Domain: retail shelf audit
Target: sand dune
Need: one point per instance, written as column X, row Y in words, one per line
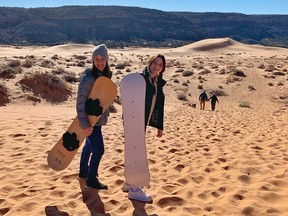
column 232, row 161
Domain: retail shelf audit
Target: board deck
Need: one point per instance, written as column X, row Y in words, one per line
column 133, row 90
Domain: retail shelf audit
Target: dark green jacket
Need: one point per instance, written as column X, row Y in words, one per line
column 157, row 117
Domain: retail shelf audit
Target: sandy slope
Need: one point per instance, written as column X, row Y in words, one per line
column 229, row 162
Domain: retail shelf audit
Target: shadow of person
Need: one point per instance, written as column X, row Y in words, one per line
column 92, row 200
column 139, row 208
column 54, row 211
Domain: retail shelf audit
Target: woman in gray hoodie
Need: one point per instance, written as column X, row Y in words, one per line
column 94, row 145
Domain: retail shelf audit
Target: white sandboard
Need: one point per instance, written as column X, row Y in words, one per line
column 133, row 90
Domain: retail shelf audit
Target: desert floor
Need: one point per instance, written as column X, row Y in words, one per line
column 231, row 161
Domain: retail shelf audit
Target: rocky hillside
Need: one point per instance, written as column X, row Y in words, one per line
column 129, row 26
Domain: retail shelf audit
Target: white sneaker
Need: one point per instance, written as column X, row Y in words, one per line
column 126, row 187
column 137, row 193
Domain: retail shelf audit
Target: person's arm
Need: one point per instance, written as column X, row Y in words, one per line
column 84, row 89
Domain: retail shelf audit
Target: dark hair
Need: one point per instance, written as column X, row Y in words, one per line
column 106, row 72
column 153, row 58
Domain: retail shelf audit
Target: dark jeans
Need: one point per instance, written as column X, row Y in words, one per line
column 213, row 104
column 94, row 147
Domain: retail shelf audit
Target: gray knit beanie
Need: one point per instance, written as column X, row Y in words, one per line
column 100, row 50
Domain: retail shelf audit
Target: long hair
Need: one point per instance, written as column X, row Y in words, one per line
column 163, row 59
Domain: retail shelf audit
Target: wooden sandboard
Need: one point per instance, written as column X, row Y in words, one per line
column 60, row 156
column 133, row 90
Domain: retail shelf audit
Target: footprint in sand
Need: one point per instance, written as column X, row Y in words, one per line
column 171, row 201
column 244, row 178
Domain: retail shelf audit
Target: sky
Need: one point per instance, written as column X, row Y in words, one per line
column 238, row 6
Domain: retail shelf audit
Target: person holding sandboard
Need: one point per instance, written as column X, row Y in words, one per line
column 93, row 148
column 96, row 92
column 143, row 105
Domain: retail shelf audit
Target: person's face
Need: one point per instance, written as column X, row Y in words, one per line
column 100, row 62
column 156, row 66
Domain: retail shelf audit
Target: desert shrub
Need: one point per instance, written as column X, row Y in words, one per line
column 270, row 68
column 55, row 57
column 205, row 71
column 46, row 64
column 8, row 72
column 68, row 76
column 214, row 66
column 181, row 96
column 245, row 104
column 112, row 109
column 185, row 84
column 14, row 63
column 34, row 99
column 251, row 88
column 58, row 71
column 218, row 92
column 4, row 99
column 187, row 73
column 27, row 63
column 240, row 73
column 179, row 70
column 80, row 57
column 280, row 84
column 279, row 73
column 198, row 66
column 80, row 64
column 71, row 77
column 261, row 66
column 176, row 81
column 200, row 87
column 232, row 79
column 120, row 66
column 222, row 71
column 46, row 86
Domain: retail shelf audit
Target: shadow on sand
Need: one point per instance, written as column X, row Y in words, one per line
column 92, row 200
column 54, row 211
column 139, row 208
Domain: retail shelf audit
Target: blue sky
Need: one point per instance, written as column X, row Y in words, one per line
column 239, row 6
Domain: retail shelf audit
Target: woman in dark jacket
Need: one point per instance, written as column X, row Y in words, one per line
column 154, row 112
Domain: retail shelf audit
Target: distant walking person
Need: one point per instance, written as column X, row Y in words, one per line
column 202, row 99
column 213, row 99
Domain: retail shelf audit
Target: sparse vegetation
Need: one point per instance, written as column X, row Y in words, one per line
column 3, row 95
column 187, row 73
column 245, row 104
column 238, row 72
column 182, row 96
column 14, row 63
column 120, row 66
column 46, row 86
column 8, row 72
column 27, row 63
column 251, row 88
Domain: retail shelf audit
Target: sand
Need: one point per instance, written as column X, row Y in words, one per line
column 233, row 161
